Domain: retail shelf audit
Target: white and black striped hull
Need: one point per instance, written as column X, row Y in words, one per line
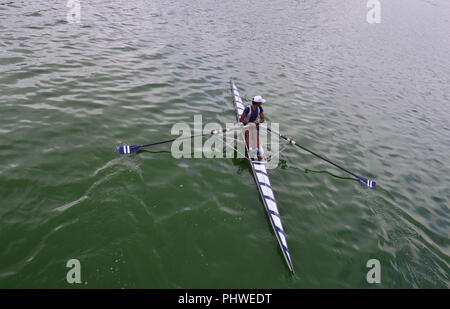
column 265, row 189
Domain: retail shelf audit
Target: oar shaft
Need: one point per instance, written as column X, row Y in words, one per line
column 125, row 149
column 173, row 139
column 312, row 152
column 369, row 183
column 193, row 136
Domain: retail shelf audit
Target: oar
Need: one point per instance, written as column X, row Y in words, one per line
column 126, row 149
column 367, row 182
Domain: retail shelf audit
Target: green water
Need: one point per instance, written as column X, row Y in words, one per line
column 371, row 97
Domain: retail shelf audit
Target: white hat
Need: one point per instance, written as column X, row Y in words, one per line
column 258, row 99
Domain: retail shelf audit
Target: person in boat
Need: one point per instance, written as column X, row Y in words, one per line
column 254, row 114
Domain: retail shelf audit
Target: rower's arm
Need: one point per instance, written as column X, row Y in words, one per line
column 244, row 114
column 262, row 117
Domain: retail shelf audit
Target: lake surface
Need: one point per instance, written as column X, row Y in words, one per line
column 374, row 98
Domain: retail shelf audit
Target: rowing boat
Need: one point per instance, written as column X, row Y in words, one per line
column 263, row 183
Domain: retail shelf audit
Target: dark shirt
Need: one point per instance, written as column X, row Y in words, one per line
column 254, row 114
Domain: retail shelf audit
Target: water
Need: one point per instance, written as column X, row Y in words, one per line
column 371, row 97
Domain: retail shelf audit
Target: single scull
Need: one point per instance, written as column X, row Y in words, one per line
column 265, row 189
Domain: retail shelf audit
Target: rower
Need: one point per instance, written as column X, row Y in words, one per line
column 250, row 115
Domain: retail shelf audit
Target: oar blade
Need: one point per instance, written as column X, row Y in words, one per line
column 125, row 149
column 370, row 183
